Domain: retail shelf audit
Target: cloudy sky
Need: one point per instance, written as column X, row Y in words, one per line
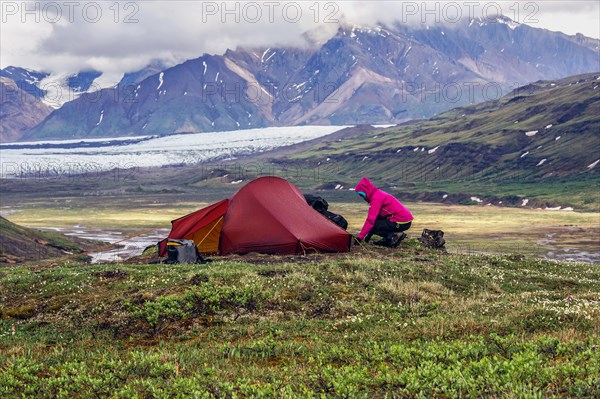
column 117, row 37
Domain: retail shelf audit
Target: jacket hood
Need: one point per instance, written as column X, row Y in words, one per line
column 366, row 187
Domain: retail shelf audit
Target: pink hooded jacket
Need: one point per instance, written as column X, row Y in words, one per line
column 381, row 204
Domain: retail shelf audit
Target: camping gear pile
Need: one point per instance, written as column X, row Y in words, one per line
column 269, row 215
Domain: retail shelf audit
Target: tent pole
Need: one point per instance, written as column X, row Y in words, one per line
column 210, row 231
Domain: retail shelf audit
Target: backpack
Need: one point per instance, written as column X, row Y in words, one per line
column 320, row 205
column 433, row 239
column 183, row 251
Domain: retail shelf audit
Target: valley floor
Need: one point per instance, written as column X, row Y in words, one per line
column 404, row 323
column 561, row 235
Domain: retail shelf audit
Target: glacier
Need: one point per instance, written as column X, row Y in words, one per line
column 52, row 158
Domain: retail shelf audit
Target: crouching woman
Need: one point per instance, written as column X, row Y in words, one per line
column 387, row 217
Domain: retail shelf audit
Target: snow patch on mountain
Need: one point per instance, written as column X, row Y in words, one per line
column 101, row 118
column 508, row 22
column 58, row 91
column 104, row 81
column 271, row 56
column 160, row 80
column 262, row 59
column 31, row 79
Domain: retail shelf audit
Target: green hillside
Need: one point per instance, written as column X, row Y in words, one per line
column 539, row 141
column 20, row 244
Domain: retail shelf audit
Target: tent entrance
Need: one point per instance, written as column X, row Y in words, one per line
column 207, row 237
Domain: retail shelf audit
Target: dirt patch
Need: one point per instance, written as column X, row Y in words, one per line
column 198, row 279
column 322, row 310
column 418, row 259
column 22, row 312
column 111, row 274
column 273, row 273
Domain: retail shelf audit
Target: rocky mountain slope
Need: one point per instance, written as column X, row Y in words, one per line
column 51, row 91
column 361, row 75
column 19, row 110
column 26, row 79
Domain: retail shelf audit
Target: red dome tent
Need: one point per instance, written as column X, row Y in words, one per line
column 268, row 215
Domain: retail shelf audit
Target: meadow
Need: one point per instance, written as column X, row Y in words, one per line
column 409, row 323
column 488, row 318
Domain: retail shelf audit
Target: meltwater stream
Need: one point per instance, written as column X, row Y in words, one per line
column 126, row 248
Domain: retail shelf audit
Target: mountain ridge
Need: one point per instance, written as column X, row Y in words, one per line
column 382, row 74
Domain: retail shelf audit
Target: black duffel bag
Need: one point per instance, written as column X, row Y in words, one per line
column 320, row 205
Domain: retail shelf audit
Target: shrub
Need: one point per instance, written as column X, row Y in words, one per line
column 202, row 300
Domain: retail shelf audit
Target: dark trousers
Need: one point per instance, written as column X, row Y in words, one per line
column 386, row 229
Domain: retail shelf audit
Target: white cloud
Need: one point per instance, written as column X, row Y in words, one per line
column 96, row 35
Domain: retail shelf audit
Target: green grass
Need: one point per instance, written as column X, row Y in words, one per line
column 406, row 323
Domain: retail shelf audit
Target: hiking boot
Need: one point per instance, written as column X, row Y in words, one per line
column 397, row 240
column 383, row 243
